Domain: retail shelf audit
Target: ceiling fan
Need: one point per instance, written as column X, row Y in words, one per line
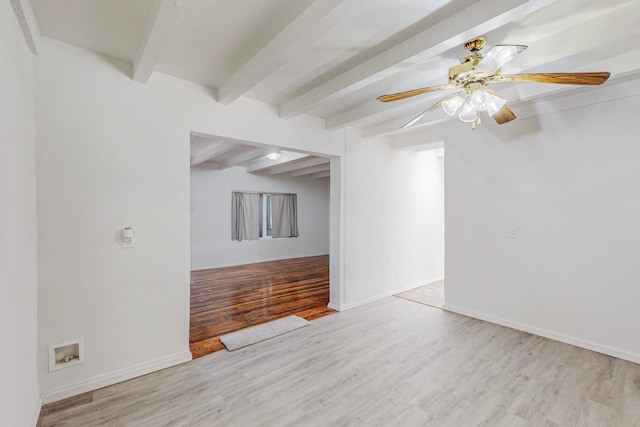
column 476, row 72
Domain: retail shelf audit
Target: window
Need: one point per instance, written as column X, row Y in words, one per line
column 266, row 226
column 263, row 215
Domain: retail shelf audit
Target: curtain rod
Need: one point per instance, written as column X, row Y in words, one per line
column 262, row 192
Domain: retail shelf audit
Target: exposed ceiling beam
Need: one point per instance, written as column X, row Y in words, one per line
column 311, row 170
column 209, row 165
column 285, row 157
column 586, row 34
column 373, row 108
column 211, row 152
column 475, row 20
column 316, row 20
column 588, row 31
column 28, row 24
column 245, row 157
column 394, row 126
column 293, row 166
column 162, row 20
column 320, row 175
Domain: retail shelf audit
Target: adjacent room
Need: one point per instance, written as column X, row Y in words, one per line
column 175, row 172
column 252, row 260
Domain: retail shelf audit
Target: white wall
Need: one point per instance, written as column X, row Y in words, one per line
column 570, row 184
column 394, row 218
column 113, row 153
column 211, row 244
column 19, row 394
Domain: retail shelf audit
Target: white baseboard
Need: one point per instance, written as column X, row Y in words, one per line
column 59, row 393
column 364, row 301
column 36, row 414
column 578, row 342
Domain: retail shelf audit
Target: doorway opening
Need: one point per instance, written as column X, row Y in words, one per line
column 431, row 294
column 431, row 197
column 240, row 280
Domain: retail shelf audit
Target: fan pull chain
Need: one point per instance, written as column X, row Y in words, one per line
column 473, row 124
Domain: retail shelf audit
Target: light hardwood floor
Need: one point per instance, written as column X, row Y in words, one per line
column 431, row 294
column 388, row 363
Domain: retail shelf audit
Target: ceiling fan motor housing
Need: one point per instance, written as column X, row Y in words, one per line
column 475, row 44
column 459, row 73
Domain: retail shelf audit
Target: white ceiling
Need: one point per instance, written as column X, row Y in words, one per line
column 222, row 153
column 331, row 58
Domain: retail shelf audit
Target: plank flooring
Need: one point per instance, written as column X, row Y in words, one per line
column 228, row 299
column 431, row 294
column 387, row 363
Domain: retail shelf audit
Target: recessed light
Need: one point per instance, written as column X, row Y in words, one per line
column 273, row 156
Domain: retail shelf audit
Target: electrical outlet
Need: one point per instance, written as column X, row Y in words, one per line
column 127, row 237
column 512, row 232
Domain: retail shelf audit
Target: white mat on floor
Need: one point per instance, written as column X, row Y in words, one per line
column 263, row 332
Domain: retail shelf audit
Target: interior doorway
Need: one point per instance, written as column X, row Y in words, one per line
column 431, row 292
column 242, row 280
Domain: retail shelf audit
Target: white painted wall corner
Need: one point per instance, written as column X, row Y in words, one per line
column 36, row 413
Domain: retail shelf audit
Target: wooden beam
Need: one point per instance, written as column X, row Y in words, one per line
column 245, row 157
column 293, row 166
column 315, row 21
column 212, row 152
column 162, row 20
column 285, row 157
column 372, row 108
column 28, row 24
column 320, row 175
column 209, row 165
column 588, row 30
column 311, row 170
column 479, row 18
column 582, row 32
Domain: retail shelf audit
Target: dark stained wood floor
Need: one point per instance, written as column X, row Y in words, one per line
column 228, row 299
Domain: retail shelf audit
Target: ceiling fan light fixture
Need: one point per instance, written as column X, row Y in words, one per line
column 495, row 104
column 450, row 106
column 480, row 99
column 475, row 72
column 469, row 112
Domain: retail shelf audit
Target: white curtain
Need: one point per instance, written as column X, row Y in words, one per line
column 245, row 216
column 284, row 214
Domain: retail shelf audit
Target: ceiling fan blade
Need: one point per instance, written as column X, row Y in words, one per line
column 497, row 57
column 557, row 78
column 433, row 107
column 504, row 115
column 414, row 92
